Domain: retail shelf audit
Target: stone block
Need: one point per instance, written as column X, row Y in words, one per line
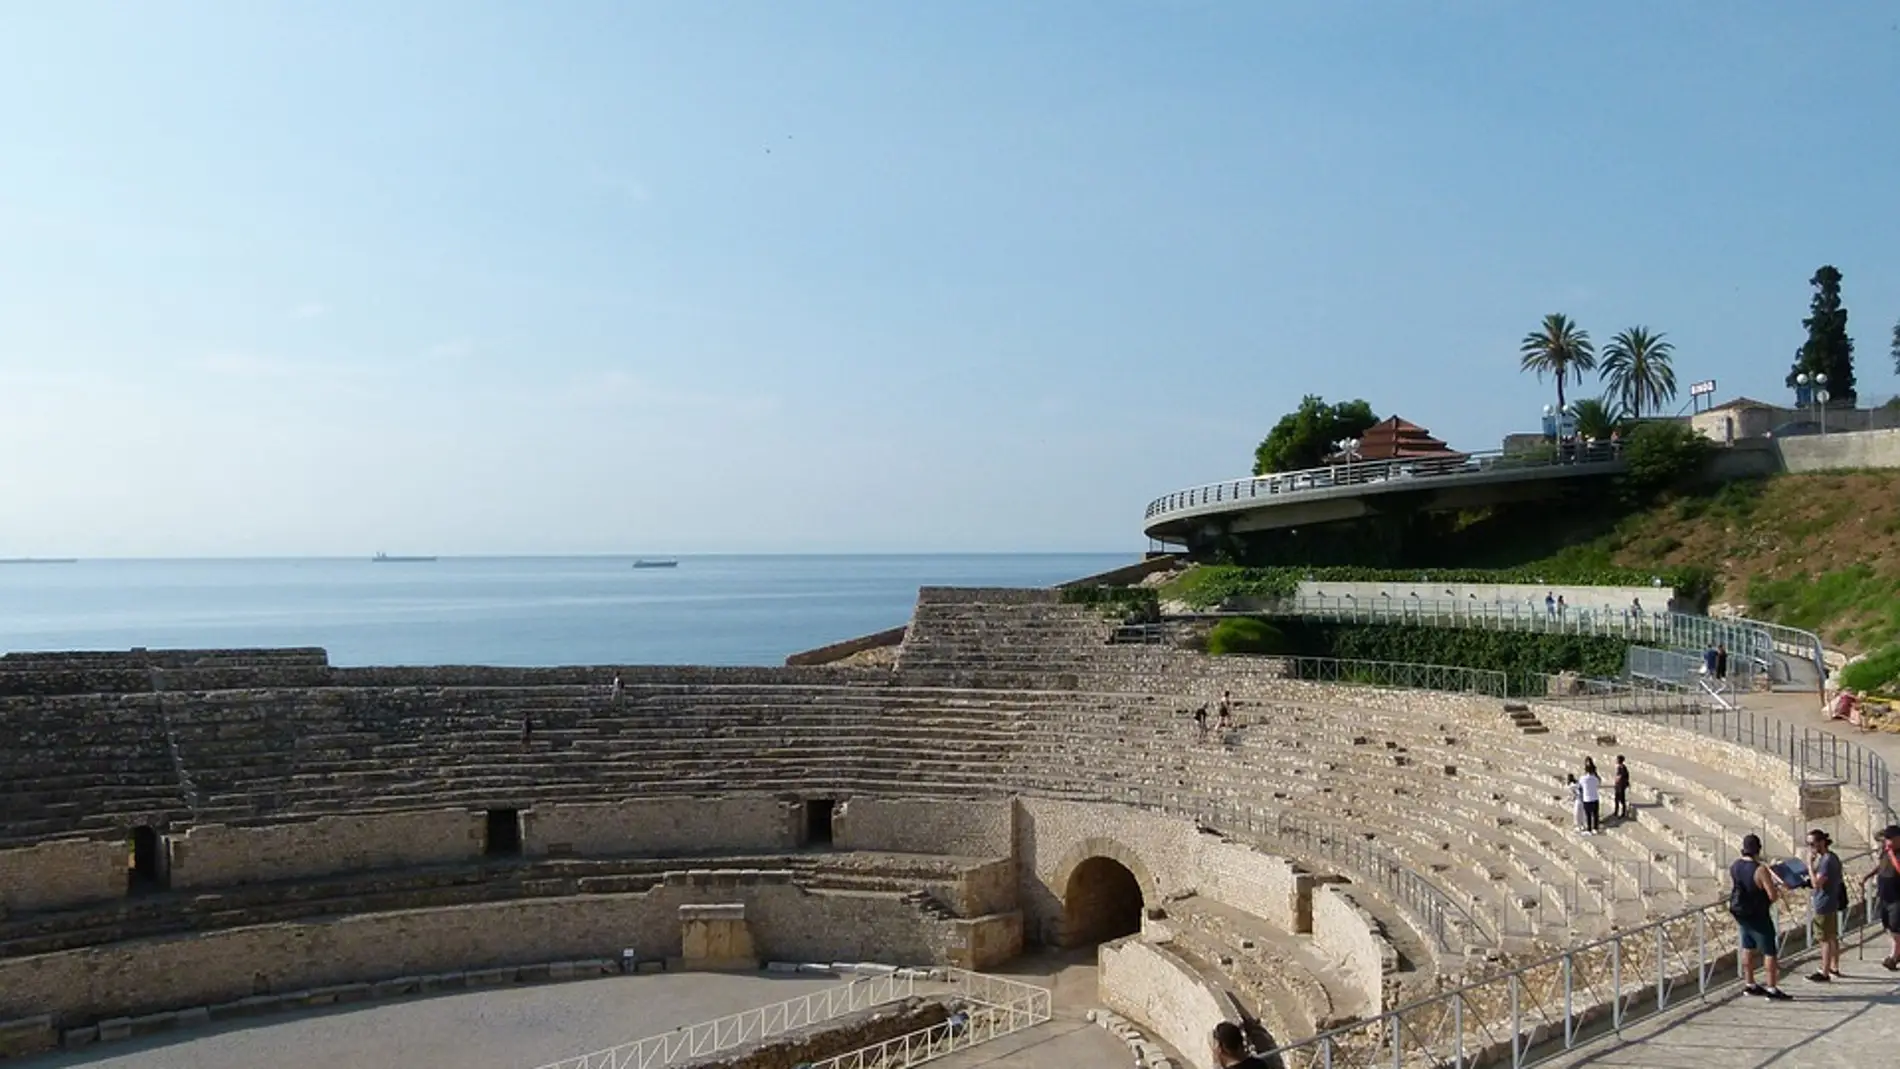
column 648, row 967
column 446, row 981
column 781, row 967
column 490, row 977
column 194, row 1017
column 154, row 1022
column 402, row 985
column 74, row 1038
column 561, row 970
column 113, row 1029
column 533, row 974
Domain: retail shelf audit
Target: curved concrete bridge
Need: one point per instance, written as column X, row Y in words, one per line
column 1349, row 491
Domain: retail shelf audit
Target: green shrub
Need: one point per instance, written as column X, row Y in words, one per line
column 1877, row 672
column 1663, row 456
column 1243, row 634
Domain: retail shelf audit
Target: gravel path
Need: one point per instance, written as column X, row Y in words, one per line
column 498, row 1028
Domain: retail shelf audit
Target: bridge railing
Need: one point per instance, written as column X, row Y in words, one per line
column 1366, row 472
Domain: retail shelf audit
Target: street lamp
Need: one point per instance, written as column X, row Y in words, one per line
column 1818, row 397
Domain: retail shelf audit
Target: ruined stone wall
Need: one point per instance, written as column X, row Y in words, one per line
column 57, row 875
column 1149, row 985
column 151, row 975
column 906, row 826
column 1347, row 933
column 1266, row 886
column 214, row 855
column 1057, row 836
column 989, row 887
column 661, row 827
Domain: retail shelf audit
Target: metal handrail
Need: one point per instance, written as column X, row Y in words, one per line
column 1541, row 1010
column 1359, row 473
column 696, row 1041
column 989, row 1021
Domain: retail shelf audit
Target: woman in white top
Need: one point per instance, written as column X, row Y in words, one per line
column 1576, row 801
column 1590, row 790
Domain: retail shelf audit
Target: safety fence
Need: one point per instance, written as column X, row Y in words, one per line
column 1539, row 1011
column 990, row 1008
column 697, row 1041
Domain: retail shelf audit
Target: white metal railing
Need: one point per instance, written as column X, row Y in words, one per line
column 998, row 1008
column 1600, row 455
column 696, row 1041
column 1544, row 1009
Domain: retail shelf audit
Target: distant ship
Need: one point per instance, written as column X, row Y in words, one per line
column 644, row 563
column 39, row 560
column 384, row 558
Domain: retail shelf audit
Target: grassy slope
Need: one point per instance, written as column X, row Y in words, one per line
column 1815, row 551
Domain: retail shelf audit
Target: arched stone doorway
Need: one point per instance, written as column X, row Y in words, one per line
column 1102, row 901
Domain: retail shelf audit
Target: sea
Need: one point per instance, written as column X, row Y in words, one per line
column 514, row 611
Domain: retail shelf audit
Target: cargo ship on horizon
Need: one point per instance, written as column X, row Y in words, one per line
column 385, row 558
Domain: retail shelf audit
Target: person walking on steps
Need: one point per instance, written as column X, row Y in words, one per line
column 1229, row 1048
column 1620, row 784
column 1886, row 881
column 1830, row 901
column 1590, row 789
column 1752, row 896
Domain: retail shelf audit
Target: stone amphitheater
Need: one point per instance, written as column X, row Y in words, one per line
column 192, row 835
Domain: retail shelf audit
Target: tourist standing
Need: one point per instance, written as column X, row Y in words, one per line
column 1550, row 604
column 1576, row 800
column 1590, row 789
column 1226, row 718
column 1752, row 896
column 1886, row 881
column 1200, row 722
column 1721, row 661
column 1621, row 786
column 616, row 690
column 1230, row 1048
column 1830, row 901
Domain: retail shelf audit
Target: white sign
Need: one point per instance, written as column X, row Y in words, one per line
column 1702, row 389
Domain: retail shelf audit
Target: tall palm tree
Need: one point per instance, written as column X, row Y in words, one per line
column 1596, row 418
column 1561, row 348
column 1636, row 363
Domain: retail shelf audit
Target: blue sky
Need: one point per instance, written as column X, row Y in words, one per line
column 621, row 277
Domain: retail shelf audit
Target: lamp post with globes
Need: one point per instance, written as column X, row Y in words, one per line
column 1818, row 396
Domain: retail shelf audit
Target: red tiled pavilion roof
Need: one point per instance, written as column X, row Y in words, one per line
column 1397, row 439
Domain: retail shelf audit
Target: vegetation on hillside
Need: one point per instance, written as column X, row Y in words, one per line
column 1208, row 586
column 1524, row 657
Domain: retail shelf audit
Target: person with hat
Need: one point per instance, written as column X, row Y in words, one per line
column 1830, row 901
column 1229, row 1047
column 1751, row 902
column 1886, row 881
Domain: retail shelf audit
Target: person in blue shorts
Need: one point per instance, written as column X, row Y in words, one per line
column 1751, row 902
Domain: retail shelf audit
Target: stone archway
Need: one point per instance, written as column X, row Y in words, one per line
column 1101, row 900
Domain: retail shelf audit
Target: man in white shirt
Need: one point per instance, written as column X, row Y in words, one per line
column 1592, row 797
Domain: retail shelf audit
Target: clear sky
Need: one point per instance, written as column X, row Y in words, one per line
column 463, row 276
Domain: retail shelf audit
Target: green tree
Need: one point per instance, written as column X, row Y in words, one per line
column 1306, row 435
column 1561, row 348
column 1828, row 349
column 1663, row 456
column 1896, row 346
column 1596, row 418
column 1636, row 365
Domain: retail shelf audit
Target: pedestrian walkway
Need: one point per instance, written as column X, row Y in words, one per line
column 1848, row 1024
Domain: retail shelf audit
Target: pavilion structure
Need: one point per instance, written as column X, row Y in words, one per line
column 1395, row 439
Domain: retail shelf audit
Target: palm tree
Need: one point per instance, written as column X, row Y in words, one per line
column 1636, row 364
column 1596, row 418
column 1561, row 348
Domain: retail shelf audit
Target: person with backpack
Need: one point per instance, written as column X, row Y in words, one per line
column 1753, row 893
column 1886, row 881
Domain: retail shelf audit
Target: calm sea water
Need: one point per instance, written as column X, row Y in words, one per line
column 502, row 610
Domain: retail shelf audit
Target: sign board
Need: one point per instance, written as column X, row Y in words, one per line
column 1702, row 389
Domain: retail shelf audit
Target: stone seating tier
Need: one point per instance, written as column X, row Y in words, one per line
column 84, row 766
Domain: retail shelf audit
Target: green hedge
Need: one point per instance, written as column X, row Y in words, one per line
column 1520, row 655
column 1207, row 586
column 1244, row 634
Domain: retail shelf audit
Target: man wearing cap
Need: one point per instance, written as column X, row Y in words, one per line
column 1830, row 901
column 1886, row 880
column 1751, row 902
